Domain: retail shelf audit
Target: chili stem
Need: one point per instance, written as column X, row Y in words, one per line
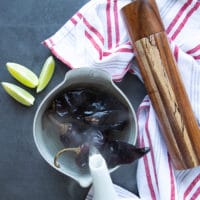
column 75, row 149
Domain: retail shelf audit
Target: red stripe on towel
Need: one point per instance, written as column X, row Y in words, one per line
column 94, row 30
column 176, row 50
column 109, row 30
column 148, row 175
column 192, row 184
column 79, row 15
column 73, row 21
column 196, row 57
column 96, row 46
column 178, row 15
column 91, row 28
column 116, row 18
column 151, row 152
column 121, row 50
column 193, row 50
column 182, row 24
column 172, row 179
column 196, row 194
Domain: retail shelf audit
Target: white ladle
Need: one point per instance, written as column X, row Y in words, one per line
column 102, row 183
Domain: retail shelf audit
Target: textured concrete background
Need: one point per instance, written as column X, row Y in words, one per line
column 23, row 172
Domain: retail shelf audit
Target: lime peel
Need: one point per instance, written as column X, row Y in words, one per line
column 18, row 93
column 46, row 73
column 22, row 74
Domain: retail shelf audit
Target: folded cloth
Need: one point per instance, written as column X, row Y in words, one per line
column 96, row 36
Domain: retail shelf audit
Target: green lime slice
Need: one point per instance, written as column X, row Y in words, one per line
column 18, row 94
column 46, row 73
column 22, row 74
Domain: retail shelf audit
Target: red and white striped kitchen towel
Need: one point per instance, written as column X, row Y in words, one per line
column 96, row 36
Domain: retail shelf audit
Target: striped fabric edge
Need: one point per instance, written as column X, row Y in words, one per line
column 96, row 39
column 150, row 189
column 148, row 161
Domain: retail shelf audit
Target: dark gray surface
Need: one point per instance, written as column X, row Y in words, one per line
column 23, row 173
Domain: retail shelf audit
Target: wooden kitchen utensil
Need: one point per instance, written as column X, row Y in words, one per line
column 163, row 83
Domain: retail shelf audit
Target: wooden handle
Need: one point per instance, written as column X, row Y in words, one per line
column 163, row 83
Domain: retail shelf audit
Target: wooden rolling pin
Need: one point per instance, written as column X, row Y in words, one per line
column 163, row 83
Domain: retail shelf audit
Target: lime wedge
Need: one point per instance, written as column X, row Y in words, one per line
column 46, row 73
column 22, row 74
column 18, row 94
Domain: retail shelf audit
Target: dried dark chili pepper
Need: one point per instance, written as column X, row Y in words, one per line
column 118, row 153
column 114, row 152
column 74, row 133
column 87, row 117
